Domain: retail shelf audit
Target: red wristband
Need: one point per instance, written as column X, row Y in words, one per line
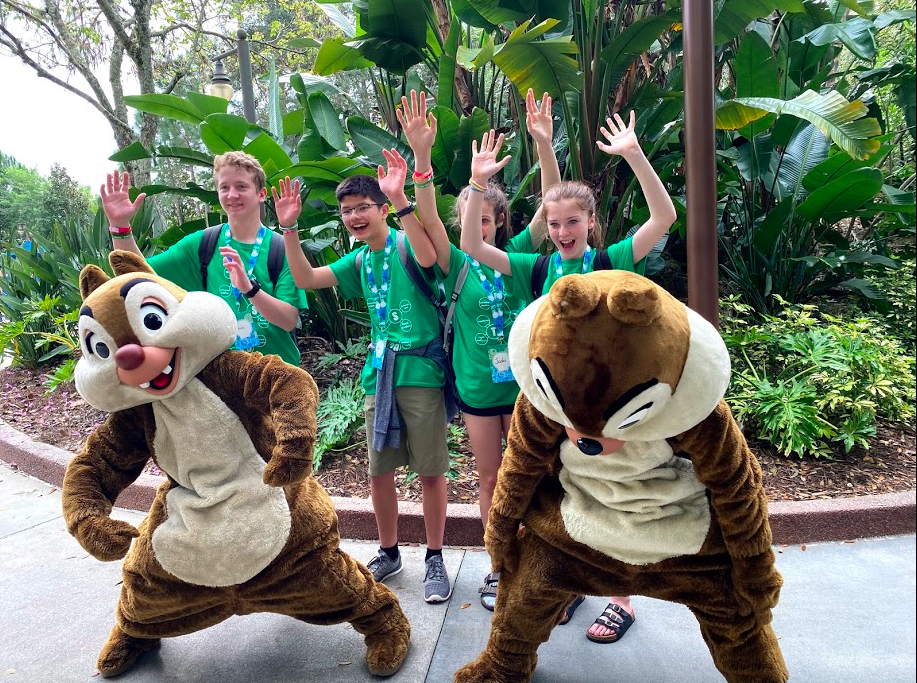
column 423, row 176
column 118, row 232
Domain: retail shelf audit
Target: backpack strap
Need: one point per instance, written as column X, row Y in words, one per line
column 275, row 254
column 539, row 275
column 602, row 260
column 418, row 279
column 205, row 251
column 450, row 312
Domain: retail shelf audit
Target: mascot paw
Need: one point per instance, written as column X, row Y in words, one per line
column 285, row 471
column 122, row 651
column 757, row 582
column 385, row 652
column 488, row 669
column 105, row 538
column 502, row 542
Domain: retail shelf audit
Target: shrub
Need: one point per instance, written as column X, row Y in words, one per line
column 340, row 415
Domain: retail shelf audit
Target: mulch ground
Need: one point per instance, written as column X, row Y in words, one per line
column 63, row 419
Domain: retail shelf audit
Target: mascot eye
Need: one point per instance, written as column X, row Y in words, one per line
column 636, row 416
column 546, row 384
column 101, row 348
column 97, row 348
column 154, row 316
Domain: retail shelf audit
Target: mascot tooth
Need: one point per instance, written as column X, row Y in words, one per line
column 240, row 526
column 630, row 476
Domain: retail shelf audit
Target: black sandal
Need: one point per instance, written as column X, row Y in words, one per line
column 571, row 608
column 616, row 619
column 489, row 590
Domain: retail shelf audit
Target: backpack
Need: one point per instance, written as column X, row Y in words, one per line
column 208, row 246
column 540, row 271
column 444, row 310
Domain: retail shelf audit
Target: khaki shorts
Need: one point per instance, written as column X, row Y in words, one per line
column 423, row 439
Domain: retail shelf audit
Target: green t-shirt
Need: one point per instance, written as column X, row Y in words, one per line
column 621, row 255
column 474, row 333
column 182, row 265
column 412, row 321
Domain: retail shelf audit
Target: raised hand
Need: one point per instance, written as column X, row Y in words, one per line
column 539, row 120
column 419, row 128
column 621, row 138
column 287, row 205
column 233, row 263
column 392, row 182
column 484, row 162
column 116, row 202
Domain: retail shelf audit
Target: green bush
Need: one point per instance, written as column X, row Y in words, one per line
column 809, row 382
column 340, row 415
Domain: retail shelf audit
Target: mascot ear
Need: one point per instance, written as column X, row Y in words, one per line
column 635, row 301
column 128, row 262
column 574, row 296
column 91, row 278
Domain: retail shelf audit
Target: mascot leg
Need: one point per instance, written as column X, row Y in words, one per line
column 330, row 587
column 122, row 651
column 526, row 612
column 744, row 647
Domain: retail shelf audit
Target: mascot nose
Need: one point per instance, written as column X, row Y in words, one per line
column 129, row 357
column 587, row 446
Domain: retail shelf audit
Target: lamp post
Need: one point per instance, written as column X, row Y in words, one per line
column 220, row 85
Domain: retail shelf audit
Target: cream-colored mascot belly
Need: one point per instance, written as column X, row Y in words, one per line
column 629, row 476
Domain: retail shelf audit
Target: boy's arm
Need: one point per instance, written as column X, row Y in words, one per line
column 623, row 141
column 540, row 124
column 392, row 184
column 483, row 165
column 288, row 205
column 119, row 209
column 420, row 131
column 272, row 309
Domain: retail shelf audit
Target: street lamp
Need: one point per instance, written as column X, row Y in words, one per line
column 220, row 85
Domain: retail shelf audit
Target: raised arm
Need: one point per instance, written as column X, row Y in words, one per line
column 483, row 165
column 420, row 130
column 540, row 124
column 623, row 141
column 392, row 184
column 288, row 205
column 118, row 207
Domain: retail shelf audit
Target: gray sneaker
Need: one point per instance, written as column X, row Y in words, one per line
column 382, row 566
column 436, row 586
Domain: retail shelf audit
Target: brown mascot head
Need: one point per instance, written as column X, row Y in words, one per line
column 142, row 337
column 611, row 355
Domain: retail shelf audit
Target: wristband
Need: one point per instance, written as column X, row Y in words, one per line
column 256, row 287
column 426, row 175
column 120, row 232
column 401, row 213
column 476, row 186
column 425, row 183
column 293, row 228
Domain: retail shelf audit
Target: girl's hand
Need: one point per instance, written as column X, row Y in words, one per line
column 419, row 129
column 288, row 205
column 116, row 202
column 539, row 121
column 484, row 162
column 621, row 138
column 392, row 183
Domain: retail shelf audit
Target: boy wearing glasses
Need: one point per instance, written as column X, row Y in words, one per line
column 266, row 312
column 405, row 369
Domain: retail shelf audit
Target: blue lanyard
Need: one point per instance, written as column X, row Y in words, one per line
column 253, row 259
column 381, row 293
column 587, row 262
column 495, row 295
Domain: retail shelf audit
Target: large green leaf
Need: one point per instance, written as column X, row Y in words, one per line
column 390, row 54
column 632, row 42
column 894, row 17
column 475, row 58
column 806, row 150
column 403, row 20
column 133, row 152
column 471, row 127
column 311, row 147
column 224, row 132
column 334, row 56
column 501, row 11
column 755, row 68
column 445, row 89
column 274, row 106
column 773, row 224
column 857, row 35
column 186, row 154
column 836, row 118
column 207, row 104
column 266, row 150
column 465, row 11
column 293, row 122
column 754, row 157
column 371, row 140
column 166, row 106
column 338, row 19
column 838, row 198
column 306, row 84
column 332, row 170
column 447, row 138
column 192, row 190
column 831, row 169
column 326, row 120
column 543, row 65
column 735, row 15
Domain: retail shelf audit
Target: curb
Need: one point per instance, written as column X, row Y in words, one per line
column 792, row 522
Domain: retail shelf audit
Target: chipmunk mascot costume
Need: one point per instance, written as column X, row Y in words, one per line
column 240, row 526
column 631, row 477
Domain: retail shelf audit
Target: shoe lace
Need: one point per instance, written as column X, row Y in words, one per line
column 377, row 560
column 436, row 570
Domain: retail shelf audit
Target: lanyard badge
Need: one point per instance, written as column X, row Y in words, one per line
column 498, row 355
column 587, row 262
column 380, row 293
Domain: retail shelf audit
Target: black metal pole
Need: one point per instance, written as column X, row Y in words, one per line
column 245, row 75
column 700, row 159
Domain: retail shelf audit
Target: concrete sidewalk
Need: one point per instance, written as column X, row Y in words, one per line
column 847, row 612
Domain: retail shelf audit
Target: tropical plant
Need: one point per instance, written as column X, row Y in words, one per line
column 339, row 416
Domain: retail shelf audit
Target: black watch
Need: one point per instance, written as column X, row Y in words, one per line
column 401, row 213
column 254, row 290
